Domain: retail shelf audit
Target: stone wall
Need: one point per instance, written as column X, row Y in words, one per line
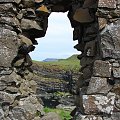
column 96, row 27
column 18, row 30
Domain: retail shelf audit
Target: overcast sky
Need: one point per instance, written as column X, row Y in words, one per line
column 57, row 42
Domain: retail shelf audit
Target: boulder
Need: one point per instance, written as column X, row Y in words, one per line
column 51, row 116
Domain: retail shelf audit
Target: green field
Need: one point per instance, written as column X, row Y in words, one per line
column 64, row 115
column 71, row 63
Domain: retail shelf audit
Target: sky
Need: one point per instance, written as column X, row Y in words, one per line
column 58, row 41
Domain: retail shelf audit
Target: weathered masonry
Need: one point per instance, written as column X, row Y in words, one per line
column 96, row 28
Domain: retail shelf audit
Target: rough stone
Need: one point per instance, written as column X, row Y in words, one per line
column 7, row 98
column 90, row 49
column 114, row 116
column 96, row 104
column 109, row 44
column 8, row 50
column 12, row 90
column 82, row 16
column 28, row 87
column 7, row 9
column 98, row 85
column 102, row 23
column 87, row 117
column 32, row 27
column 51, row 116
column 116, row 72
column 107, row 4
column 10, row 1
column 10, row 21
column 31, row 106
column 28, row 3
column 102, row 68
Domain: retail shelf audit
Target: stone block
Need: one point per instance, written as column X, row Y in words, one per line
column 107, row 3
column 117, row 104
column 116, row 72
column 79, row 116
column 7, row 98
column 51, row 116
column 42, row 10
column 8, row 50
column 10, row 1
column 102, row 68
column 102, row 23
column 87, row 72
column 7, row 9
column 31, row 106
column 116, row 89
column 12, row 90
column 114, row 116
column 90, row 4
column 18, row 112
column 10, row 21
column 90, row 49
column 32, row 27
column 98, row 85
column 82, row 16
column 38, row 1
column 28, row 3
column 96, row 104
column 28, row 87
column 85, row 61
column 3, row 86
column 110, row 41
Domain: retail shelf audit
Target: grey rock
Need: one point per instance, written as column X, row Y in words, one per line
column 32, row 27
column 10, row 1
column 95, row 104
column 8, row 50
column 51, row 116
column 31, row 107
column 114, row 116
column 1, row 114
column 18, row 113
column 28, row 3
column 116, row 72
column 5, row 71
column 7, row 9
column 90, row 49
column 3, row 86
column 12, row 90
column 110, row 38
column 7, row 98
column 107, row 4
column 98, row 85
column 102, row 68
column 10, row 21
column 79, row 116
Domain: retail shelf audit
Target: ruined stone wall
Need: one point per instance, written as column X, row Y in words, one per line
column 17, row 88
column 99, row 83
column 96, row 27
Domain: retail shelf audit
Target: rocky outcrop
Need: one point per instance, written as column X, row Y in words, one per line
column 52, row 78
column 96, row 27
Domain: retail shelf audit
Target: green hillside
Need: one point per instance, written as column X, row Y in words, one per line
column 71, row 63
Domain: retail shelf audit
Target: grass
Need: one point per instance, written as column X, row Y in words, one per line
column 71, row 63
column 65, row 115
